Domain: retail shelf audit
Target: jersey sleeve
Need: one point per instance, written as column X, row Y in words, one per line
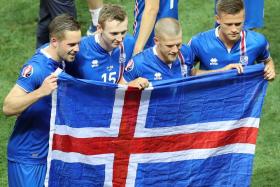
column 264, row 53
column 194, row 48
column 129, row 43
column 30, row 77
column 131, row 71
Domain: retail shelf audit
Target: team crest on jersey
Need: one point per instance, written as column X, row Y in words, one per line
column 214, row 62
column 244, row 59
column 109, row 68
column 122, row 58
column 94, row 64
column 27, row 71
column 157, row 76
column 129, row 66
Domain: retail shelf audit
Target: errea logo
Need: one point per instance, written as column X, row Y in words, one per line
column 109, row 68
column 94, row 64
column 214, row 62
column 157, row 76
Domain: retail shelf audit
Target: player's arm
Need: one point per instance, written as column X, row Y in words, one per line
column 140, row 83
column 132, row 77
column 18, row 99
column 269, row 70
column 236, row 66
column 147, row 24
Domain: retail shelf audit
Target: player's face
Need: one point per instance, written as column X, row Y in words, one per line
column 113, row 33
column 168, row 47
column 230, row 25
column 68, row 47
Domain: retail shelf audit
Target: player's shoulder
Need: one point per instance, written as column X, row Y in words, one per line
column 129, row 39
column 34, row 67
column 138, row 58
column 87, row 40
column 202, row 36
column 255, row 36
column 185, row 48
column 38, row 60
column 143, row 57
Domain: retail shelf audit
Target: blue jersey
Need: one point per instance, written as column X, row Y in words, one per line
column 148, row 65
column 95, row 63
column 29, row 140
column 254, row 13
column 212, row 54
column 167, row 8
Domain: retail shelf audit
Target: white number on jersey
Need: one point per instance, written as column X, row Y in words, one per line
column 109, row 77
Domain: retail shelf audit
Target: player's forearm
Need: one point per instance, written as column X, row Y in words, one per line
column 201, row 72
column 236, row 66
column 146, row 27
column 14, row 105
column 269, row 70
column 270, row 63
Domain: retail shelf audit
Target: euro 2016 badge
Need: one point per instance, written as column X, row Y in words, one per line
column 27, row 71
column 244, row 60
column 129, row 66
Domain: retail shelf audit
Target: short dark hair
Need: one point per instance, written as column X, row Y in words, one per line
column 229, row 6
column 111, row 12
column 62, row 23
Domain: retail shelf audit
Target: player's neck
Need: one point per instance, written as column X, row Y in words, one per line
column 228, row 43
column 161, row 57
column 52, row 53
column 103, row 44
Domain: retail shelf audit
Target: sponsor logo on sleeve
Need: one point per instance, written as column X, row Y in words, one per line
column 27, row 71
column 129, row 66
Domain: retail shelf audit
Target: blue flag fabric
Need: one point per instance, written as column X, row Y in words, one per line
column 198, row 131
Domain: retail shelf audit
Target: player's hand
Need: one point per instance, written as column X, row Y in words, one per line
column 48, row 85
column 269, row 71
column 140, row 83
column 237, row 66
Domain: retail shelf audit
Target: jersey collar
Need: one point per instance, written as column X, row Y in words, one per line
column 156, row 54
column 218, row 37
column 47, row 55
column 43, row 51
column 97, row 40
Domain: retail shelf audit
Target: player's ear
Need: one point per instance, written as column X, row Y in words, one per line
column 156, row 40
column 99, row 28
column 54, row 41
column 217, row 18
